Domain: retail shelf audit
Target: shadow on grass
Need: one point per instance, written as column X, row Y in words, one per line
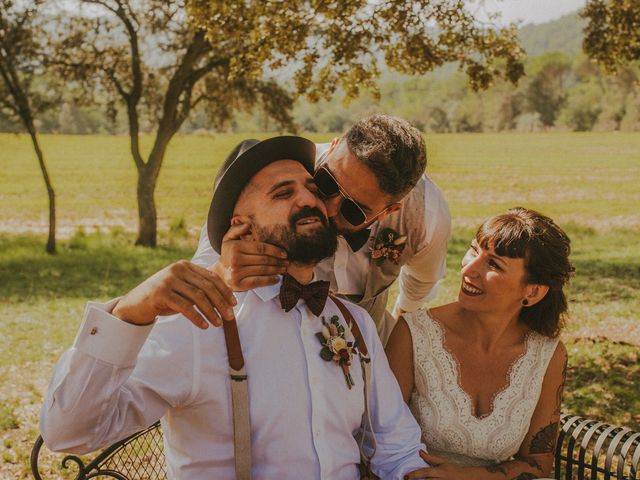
column 603, row 382
column 92, row 267
column 607, row 280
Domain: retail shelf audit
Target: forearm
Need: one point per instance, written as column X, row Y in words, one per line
column 81, row 405
column 398, row 436
column 518, row 469
column 88, row 403
column 420, row 277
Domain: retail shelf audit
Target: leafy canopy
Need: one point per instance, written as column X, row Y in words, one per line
column 612, row 34
column 342, row 43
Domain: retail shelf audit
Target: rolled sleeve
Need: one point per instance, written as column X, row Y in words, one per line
column 420, row 276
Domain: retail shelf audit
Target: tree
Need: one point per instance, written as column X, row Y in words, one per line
column 228, row 54
column 341, row 43
column 612, row 33
column 148, row 56
column 546, row 93
column 583, row 106
column 21, row 98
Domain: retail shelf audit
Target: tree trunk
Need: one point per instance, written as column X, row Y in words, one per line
column 147, row 215
column 51, row 240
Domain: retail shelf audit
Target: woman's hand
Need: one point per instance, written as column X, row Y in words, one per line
column 439, row 468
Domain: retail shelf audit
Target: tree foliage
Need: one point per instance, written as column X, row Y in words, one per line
column 546, row 92
column 22, row 59
column 612, row 34
column 342, row 43
column 161, row 63
column 146, row 56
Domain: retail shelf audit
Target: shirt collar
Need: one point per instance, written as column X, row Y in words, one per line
column 272, row 291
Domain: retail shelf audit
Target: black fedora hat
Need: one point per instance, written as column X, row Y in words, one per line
column 244, row 161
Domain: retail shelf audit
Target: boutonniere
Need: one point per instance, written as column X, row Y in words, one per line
column 335, row 346
column 389, row 245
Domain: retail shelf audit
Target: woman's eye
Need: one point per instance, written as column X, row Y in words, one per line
column 494, row 264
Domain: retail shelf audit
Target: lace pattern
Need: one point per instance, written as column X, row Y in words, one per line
column 444, row 410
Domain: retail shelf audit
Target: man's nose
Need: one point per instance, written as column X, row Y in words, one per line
column 333, row 205
column 306, row 198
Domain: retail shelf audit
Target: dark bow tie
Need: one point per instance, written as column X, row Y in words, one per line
column 314, row 294
column 356, row 240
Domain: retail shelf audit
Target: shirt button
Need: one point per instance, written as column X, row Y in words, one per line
column 94, row 330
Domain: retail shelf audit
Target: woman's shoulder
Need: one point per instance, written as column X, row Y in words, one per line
column 427, row 326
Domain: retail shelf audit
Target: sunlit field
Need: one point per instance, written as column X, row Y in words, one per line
column 589, row 183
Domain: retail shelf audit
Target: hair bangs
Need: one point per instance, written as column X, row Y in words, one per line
column 506, row 234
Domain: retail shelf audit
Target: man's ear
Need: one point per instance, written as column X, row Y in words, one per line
column 242, row 220
column 236, row 220
column 534, row 293
column 394, row 207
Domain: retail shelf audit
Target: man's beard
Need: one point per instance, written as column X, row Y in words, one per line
column 306, row 249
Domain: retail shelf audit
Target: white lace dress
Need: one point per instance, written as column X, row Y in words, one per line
column 444, row 410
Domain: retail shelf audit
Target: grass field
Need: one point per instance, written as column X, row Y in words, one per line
column 587, row 182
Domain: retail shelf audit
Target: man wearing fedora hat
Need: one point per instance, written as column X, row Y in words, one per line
column 393, row 222
column 279, row 391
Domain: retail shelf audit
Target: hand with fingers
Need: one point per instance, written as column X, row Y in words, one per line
column 184, row 288
column 439, row 468
column 245, row 263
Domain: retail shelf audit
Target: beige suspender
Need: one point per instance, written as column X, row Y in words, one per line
column 239, row 402
column 365, row 363
column 240, row 393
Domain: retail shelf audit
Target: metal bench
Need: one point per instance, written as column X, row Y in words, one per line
column 586, row 449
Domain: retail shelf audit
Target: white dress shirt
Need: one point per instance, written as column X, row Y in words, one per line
column 347, row 270
column 118, row 378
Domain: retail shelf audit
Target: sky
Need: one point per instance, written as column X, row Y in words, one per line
column 530, row 11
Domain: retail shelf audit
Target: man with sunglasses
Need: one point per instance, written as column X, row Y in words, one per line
column 393, row 220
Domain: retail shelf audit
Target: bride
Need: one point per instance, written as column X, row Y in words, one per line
column 484, row 375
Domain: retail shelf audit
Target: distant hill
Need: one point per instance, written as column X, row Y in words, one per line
column 561, row 35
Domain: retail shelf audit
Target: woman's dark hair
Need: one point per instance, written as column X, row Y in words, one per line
column 545, row 248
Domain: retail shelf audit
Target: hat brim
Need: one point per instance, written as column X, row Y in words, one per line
column 240, row 171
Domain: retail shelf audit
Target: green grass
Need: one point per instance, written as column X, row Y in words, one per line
column 8, row 419
column 588, row 179
column 587, row 182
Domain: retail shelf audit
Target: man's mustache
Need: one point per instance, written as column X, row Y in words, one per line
column 305, row 212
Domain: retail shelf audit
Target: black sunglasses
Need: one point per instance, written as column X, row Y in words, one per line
column 329, row 187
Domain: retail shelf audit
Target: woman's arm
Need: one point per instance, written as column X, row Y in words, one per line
column 539, row 445
column 399, row 351
column 535, row 457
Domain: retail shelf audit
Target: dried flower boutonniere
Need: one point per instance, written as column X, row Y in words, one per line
column 389, row 245
column 336, row 347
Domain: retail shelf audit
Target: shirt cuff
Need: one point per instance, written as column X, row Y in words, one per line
column 409, row 305
column 107, row 338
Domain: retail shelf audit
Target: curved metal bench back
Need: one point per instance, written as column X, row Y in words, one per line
column 587, row 449
column 138, row 457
